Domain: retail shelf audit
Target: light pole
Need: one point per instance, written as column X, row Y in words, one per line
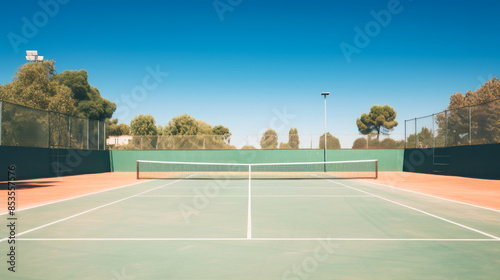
column 325, row 94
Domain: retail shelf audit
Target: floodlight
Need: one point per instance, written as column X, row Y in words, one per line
column 32, row 56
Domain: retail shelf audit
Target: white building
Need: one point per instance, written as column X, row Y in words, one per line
column 118, row 140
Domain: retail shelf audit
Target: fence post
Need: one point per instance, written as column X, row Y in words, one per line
column 470, row 127
column 416, row 134
column 84, row 134
column 445, row 128
column 88, row 134
column 69, row 125
column 405, row 136
column 48, row 117
column 433, row 131
column 98, row 135
column 104, row 131
column 58, row 145
column 0, row 122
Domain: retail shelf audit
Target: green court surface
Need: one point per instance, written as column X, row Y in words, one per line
column 259, row 229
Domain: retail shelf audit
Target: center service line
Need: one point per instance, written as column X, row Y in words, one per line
column 249, row 223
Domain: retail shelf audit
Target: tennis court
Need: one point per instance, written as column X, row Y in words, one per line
column 262, row 228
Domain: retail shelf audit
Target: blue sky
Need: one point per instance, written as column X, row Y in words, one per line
column 240, row 67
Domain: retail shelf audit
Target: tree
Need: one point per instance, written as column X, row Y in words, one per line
column 124, row 129
column 182, row 125
column 188, row 133
column 380, row 119
column 203, row 127
column 269, row 140
column 32, row 87
column 248, row 147
column 111, row 127
column 285, row 146
column 425, row 138
column 387, row 143
column 360, row 143
column 484, row 120
column 115, row 129
column 143, row 125
column 222, row 130
column 331, row 143
column 36, row 85
column 293, row 138
column 88, row 99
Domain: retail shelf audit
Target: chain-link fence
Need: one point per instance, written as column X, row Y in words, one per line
column 21, row 126
column 28, row 127
column 247, row 142
column 470, row 125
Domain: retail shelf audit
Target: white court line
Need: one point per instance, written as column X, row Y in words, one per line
column 249, row 219
column 261, row 239
column 421, row 211
column 87, row 211
column 433, row 196
column 256, row 187
column 66, row 199
column 258, row 196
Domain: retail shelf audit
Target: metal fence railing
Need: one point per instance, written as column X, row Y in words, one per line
column 28, row 127
column 249, row 141
column 470, row 125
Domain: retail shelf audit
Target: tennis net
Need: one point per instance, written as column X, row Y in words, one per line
column 355, row 169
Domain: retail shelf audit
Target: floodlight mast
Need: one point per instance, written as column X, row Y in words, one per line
column 325, row 94
column 32, row 56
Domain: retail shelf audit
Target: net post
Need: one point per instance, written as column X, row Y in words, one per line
column 376, row 169
column 137, row 170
